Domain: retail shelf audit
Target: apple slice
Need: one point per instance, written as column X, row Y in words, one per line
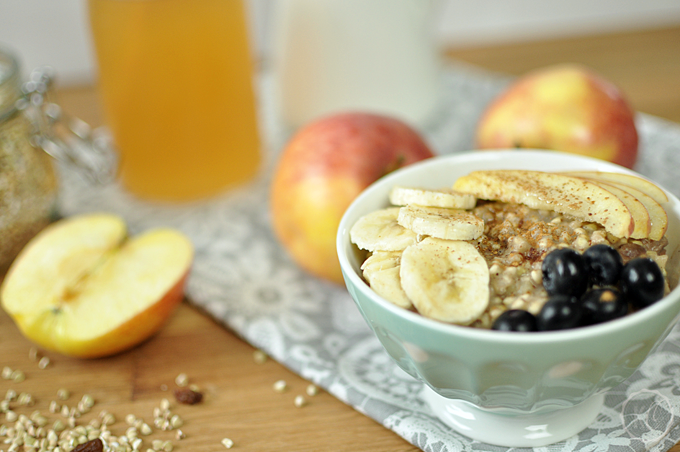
column 639, row 183
column 83, row 288
column 641, row 220
column 657, row 214
column 552, row 191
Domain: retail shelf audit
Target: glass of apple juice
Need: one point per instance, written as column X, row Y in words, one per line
column 176, row 80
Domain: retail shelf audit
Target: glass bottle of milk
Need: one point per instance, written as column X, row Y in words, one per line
column 370, row 55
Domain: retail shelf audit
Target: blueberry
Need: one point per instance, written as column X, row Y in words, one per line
column 642, row 282
column 602, row 305
column 565, row 273
column 515, row 320
column 604, row 264
column 560, row 312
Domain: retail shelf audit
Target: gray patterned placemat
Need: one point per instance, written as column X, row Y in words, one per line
column 244, row 279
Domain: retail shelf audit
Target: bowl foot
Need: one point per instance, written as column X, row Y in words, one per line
column 526, row 430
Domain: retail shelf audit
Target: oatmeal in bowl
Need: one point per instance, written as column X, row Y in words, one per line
column 493, row 261
column 519, row 240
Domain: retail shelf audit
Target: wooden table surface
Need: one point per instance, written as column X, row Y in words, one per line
column 240, row 402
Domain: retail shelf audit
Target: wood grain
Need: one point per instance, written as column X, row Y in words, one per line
column 240, row 402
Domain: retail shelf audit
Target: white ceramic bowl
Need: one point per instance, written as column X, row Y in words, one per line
column 510, row 389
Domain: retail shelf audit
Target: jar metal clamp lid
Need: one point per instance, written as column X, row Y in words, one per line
column 67, row 139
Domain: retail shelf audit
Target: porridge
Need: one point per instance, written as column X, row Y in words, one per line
column 470, row 263
column 516, row 239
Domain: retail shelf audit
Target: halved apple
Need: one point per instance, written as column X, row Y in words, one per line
column 83, row 288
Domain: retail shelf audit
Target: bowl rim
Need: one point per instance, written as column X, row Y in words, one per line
column 484, row 335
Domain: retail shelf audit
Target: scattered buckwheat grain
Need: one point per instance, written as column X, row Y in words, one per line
column 11, row 395
column 165, row 404
column 280, row 386
column 182, row 380
column 63, row 394
column 17, row 376
column 312, row 390
column 259, row 356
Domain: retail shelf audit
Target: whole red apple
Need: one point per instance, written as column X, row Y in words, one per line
column 322, row 169
column 565, row 108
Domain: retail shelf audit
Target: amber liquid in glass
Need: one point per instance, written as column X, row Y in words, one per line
column 176, row 78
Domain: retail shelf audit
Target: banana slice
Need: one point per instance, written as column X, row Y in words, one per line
column 379, row 231
column 442, row 223
column 381, row 271
column 446, row 280
column 443, row 197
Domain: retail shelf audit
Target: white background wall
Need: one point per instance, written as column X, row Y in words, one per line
column 55, row 32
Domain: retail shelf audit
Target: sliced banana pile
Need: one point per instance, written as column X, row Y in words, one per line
column 421, row 257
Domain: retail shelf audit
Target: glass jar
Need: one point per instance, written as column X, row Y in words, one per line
column 339, row 55
column 28, row 183
column 176, row 82
column 35, row 135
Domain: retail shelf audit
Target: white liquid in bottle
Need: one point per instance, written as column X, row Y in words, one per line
column 369, row 55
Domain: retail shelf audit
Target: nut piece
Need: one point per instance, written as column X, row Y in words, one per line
column 188, row 396
column 95, row 445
